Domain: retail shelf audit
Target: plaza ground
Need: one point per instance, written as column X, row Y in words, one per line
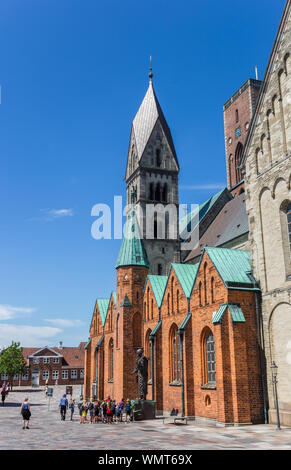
column 47, row 431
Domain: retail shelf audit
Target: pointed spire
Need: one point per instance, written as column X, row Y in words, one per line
column 132, row 251
column 151, row 73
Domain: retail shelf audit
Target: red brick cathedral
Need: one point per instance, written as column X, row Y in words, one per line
column 196, row 316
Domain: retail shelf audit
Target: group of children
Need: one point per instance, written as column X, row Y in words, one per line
column 103, row 411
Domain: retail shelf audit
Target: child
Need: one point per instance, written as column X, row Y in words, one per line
column 127, row 410
column 72, row 408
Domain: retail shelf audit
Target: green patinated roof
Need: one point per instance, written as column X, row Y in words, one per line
column 100, row 341
column 235, row 312
column 158, row 284
column 233, row 266
column 184, row 322
column 186, row 274
column 132, row 251
column 103, row 307
column 87, row 344
column 157, row 326
column 198, row 214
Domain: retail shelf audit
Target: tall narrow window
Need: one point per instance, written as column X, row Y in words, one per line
column 210, row 357
column 158, row 155
column 110, row 360
column 168, row 304
column 212, row 290
column 152, row 310
column 165, row 193
column 205, row 283
column 151, row 191
column 200, row 294
column 117, row 330
column 160, row 269
column 236, row 115
column 178, row 307
column 145, row 311
column 158, row 192
column 172, row 294
column 174, row 350
column 238, row 153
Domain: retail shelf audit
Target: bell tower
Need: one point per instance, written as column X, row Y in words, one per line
column 152, row 176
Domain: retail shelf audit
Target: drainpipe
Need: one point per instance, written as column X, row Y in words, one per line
column 259, row 328
column 181, row 333
column 97, row 355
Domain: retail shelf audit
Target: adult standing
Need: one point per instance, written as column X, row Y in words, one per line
column 63, row 407
column 3, row 393
column 25, row 412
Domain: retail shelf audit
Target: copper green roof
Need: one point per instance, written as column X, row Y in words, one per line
column 184, row 322
column 191, row 220
column 100, row 341
column 186, row 274
column 158, row 284
column 157, row 326
column 103, row 306
column 87, row 344
column 132, row 251
column 233, row 266
column 235, row 312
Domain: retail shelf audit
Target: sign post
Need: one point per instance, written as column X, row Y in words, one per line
column 50, row 392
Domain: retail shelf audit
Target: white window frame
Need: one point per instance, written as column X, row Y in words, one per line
column 45, row 374
column 4, row 376
column 65, row 374
column 56, row 360
column 75, row 375
column 25, row 376
column 55, row 375
column 35, row 360
column 46, row 360
column 81, row 373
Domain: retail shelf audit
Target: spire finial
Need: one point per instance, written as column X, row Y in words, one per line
column 151, row 73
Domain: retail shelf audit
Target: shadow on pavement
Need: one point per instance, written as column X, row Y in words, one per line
column 27, row 390
column 15, row 405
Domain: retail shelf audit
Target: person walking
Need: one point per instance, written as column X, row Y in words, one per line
column 72, row 408
column 3, row 393
column 127, row 411
column 91, row 410
column 63, row 407
column 25, row 412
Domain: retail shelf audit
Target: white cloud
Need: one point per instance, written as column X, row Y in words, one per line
column 62, row 322
column 28, row 336
column 8, row 311
column 53, row 214
column 204, row 186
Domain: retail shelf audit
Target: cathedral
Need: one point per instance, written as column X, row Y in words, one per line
column 204, row 317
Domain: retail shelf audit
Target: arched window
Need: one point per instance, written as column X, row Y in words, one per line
column 151, row 192
column 212, row 290
column 230, row 169
column 158, row 192
column 236, row 115
column 205, row 283
column 165, row 193
column 148, row 304
column 152, row 310
column 200, row 294
column 117, row 330
column 158, row 156
column 174, row 350
column 136, row 331
column 111, row 360
column 144, row 311
column 172, row 294
column 237, row 159
column 137, row 297
column 178, row 306
column 208, row 357
column 168, row 304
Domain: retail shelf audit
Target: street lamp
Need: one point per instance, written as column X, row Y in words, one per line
column 274, row 368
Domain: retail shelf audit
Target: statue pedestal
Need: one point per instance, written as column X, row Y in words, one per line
column 144, row 409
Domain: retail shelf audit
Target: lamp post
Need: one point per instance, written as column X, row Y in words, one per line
column 274, row 368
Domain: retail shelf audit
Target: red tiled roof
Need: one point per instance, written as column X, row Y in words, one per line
column 73, row 356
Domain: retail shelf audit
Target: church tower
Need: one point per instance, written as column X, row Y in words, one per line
column 152, row 176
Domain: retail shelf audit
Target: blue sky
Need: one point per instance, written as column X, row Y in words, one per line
column 72, row 75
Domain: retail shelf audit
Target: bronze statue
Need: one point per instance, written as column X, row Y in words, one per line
column 142, row 369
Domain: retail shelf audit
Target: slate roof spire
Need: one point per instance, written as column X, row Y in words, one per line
column 132, row 251
column 145, row 119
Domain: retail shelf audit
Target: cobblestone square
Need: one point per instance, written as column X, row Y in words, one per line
column 47, row 431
